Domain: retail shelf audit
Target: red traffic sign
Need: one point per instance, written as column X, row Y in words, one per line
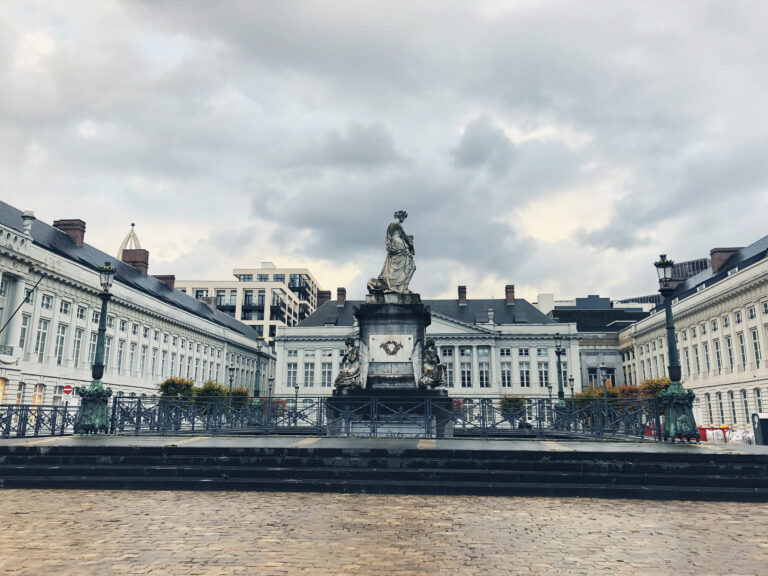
column 67, row 389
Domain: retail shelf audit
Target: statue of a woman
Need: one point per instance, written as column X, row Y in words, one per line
column 349, row 375
column 398, row 267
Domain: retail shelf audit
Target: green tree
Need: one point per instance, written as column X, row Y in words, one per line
column 652, row 388
column 240, row 397
column 177, row 388
column 512, row 403
column 210, row 391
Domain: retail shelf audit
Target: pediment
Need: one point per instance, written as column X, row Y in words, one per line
column 445, row 325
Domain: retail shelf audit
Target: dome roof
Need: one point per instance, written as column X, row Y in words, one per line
column 131, row 242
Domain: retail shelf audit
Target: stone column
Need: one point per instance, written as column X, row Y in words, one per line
column 14, row 328
column 456, row 367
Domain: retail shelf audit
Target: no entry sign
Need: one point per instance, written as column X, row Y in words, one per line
column 68, row 389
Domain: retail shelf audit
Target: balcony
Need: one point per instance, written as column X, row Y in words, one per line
column 253, row 305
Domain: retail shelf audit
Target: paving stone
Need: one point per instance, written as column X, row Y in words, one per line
column 185, row 533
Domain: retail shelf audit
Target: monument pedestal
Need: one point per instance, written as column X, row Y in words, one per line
column 390, row 412
column 392, row 328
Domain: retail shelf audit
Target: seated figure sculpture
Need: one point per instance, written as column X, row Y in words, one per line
column 349, row 375
column 432, row 372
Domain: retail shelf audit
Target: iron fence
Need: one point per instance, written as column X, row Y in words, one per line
column 428, row 417
column 350, row 416
column 22, row 420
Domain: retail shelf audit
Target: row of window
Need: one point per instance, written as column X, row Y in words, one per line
column 465, row 374
column 703, row 358
column 737, row 407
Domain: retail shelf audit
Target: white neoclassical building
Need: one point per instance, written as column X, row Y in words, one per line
column 721, row 324
column 490, row 347
column 50, row 308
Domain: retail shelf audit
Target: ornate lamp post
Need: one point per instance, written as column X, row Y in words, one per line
column 570, row 385
column 231, row 377
column 679, row 421
column 257, row 388
column 559, row 351
column 549, row 404
column 604, row 381
column 296, row 405
column 92, row 414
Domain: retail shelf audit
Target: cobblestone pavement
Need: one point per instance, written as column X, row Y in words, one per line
column 123, row 532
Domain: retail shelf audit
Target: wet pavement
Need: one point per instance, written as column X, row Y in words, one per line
column 121, row 532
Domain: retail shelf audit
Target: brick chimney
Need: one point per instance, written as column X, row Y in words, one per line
column 323, row 296
column 509, row 291
column 138, row 258
column 462, row 295
column 341, row 296
column 718, row 257
column 75, row 228
column 170, row 280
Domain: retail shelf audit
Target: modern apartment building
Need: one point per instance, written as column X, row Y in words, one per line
column 264, row 298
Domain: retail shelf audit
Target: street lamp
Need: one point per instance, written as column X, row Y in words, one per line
column 259, row 346
column 679, row 421
column 231, row 377
column 604, row 381
column 549, row 405
column 570, row 385
column 559, row 351
column 296, row 405
column 92, row 414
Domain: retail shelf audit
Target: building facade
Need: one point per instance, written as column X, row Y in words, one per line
column 264, row 298
column 721, row 323
column 490, row 348
column 598, row 322
column 50, row 311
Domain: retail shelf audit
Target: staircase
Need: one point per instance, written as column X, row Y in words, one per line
column 617, row 474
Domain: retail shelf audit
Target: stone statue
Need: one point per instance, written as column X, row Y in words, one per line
column 432, row 371
column 398, row 267
column 349, row 375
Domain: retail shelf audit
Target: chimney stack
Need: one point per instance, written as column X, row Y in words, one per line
column 323, row 296
column 341, row 296
column 75, row 228
column 462, row 295
column 138, row 258
column 509, row 290
column 718, row 257
column 170, row 280
column 209, row 301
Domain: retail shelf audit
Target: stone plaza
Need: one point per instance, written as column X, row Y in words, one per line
column 215, row 533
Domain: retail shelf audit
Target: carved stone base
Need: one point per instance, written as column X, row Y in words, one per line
column 679, row 421
column 92, row 416
column 392, row 298
column 393, row 326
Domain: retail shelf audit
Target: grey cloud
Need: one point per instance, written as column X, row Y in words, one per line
column 322, row 120
column 358, row 146
column 484, row 145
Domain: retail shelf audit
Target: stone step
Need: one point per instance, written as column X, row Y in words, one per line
column 539, row 462
column 378, row 487
column 381, row 474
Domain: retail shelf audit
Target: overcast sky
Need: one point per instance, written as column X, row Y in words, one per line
column 558, row 146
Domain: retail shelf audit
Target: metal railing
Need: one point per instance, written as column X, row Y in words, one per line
column 23, row 420
column 418, row 417
column 349, row 416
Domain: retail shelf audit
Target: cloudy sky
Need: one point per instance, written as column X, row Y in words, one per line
column 559, row 146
